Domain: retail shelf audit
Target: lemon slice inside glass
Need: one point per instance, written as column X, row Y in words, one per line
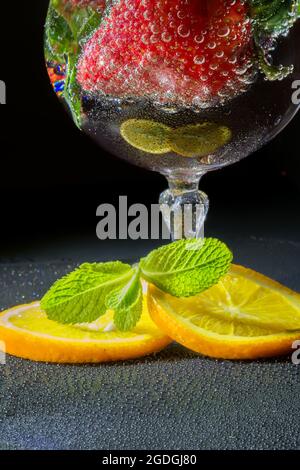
column 194, row 140
column 148, row 136
column 199, row 140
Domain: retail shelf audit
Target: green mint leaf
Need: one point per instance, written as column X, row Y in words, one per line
column 127, row 302
column 59, row 37
column 183, row 268
column 272, row 19
column 84, row 21
column 67, row 29
column 187, row 267
column 72, row 91
column 80, row 297
column 273, row 72
column 279, row 16
column 263, row 10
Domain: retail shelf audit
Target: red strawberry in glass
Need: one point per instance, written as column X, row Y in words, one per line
column 187, row 53
column 179, row 86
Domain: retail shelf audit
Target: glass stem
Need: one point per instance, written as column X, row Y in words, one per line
column 184, row 208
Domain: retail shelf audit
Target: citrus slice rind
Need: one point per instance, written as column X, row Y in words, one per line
column 194, row 140
column 199, row 140
column 27, row 332
column 212, row 325
column 148, row 136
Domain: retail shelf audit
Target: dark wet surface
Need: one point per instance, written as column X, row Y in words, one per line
column 174, row 400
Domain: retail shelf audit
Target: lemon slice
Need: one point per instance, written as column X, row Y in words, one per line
column 195, row 140
column 245, row 316
column 199, row 140
column 145, row 135
column 27, row 332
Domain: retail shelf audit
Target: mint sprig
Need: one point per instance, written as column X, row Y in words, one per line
column 272, row 19
column 183, row 268
column 59, row 38
column 66, row 32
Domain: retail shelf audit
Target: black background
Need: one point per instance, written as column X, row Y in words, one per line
column 53, row 177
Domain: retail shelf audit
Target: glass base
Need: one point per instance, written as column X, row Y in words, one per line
column 184, row 209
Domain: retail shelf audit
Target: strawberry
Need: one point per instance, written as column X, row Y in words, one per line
column 180, row 51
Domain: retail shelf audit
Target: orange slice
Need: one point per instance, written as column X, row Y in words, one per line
column 28, row 333
column 245, row 316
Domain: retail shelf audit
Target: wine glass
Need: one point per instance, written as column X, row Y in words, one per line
column 182, row 87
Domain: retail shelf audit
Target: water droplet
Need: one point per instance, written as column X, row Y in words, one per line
column 199, row 60
column 183, row 31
